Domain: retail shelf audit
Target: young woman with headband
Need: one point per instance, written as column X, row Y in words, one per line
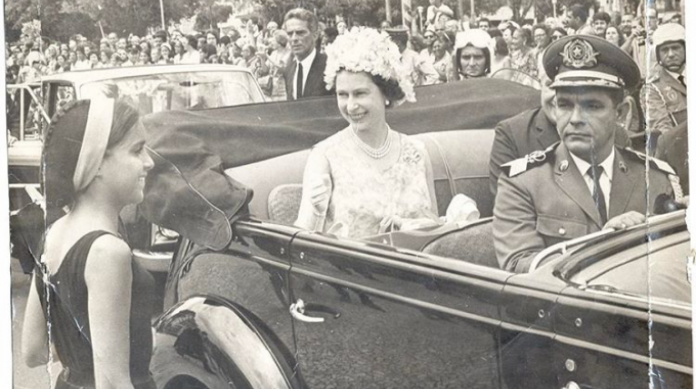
column 89, row 298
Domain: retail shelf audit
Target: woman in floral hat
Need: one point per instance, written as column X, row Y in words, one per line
column 368, row 178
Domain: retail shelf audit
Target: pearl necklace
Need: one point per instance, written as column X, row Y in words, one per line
column 375, row 153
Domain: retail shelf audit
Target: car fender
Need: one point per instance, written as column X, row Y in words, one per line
column 209, row 342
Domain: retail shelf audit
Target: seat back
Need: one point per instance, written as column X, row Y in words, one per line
column 472, row 243
column 284, row 203
column 459, row 162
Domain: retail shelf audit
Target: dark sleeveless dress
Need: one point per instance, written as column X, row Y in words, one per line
column 69, row 319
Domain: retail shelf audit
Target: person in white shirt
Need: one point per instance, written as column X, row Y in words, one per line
column 191, row 56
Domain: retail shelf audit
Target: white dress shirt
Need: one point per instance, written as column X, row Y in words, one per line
column 306, row 65
column 604, row 180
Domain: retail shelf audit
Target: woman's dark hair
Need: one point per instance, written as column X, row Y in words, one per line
column 457, row 59
column 389, row 88
column 500, row 46
column 62, row 144
column 192, row 41
column 495, row 33
column 622, row 38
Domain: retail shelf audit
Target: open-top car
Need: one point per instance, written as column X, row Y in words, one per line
column 255, row 302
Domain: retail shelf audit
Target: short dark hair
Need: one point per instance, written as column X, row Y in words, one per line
column 485, row 20
column 580, row 12
column 161, row 34
column 542, row 26
column 192, row 40
column 602, row 16
column 225, row 40
column 500, row 46
column 304, row 15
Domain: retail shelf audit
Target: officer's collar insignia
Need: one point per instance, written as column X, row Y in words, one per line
column 579, row 54
column 536, row 156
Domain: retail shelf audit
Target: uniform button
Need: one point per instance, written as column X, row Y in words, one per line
column 562, row 231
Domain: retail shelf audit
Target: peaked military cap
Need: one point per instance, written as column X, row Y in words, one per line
column 585, row 60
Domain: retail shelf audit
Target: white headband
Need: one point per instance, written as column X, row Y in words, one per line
column 97, row 131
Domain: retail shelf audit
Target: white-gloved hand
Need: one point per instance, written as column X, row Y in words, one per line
column 320, row 194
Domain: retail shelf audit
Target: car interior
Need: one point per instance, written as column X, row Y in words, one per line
column 458, row 165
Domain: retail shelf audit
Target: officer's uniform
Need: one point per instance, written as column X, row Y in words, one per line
column 663, row 94
column 665, row 99
column 543, row 198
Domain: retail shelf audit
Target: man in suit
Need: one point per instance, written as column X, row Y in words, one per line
column 583, row 183
column 304, row 77
column 665, row 91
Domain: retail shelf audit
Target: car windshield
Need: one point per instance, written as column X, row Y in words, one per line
column 179, row 91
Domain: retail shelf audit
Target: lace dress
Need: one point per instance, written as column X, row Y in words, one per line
column 363, row 194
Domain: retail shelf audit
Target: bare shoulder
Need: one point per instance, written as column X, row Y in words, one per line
column 109, row 258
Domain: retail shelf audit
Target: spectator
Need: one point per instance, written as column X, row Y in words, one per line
column 484, row 24
column 613, row 34
column 501, row 58
column 626, row 24
column 384, row 26
column 429, row 37
column 452, row 27
column 472, row 55
column 635, row 46
column 191, row 55
column 155, row 55
column 94, row 61
column 277, row 62
column 435, row 10
column 178, row 51
column 133, row 56
column 341, row 27
column 105, row 58
column 165, row 54
column 421, row 72
column 144, row 58
column 81, row 61
column 305, row 75
column 208, row 51
column 201, row 40
column 160, row 37
column 577, row 20
column 331, row 33
column 558, row 33
column 521, row 55
column 211, row 37
column 542, row 38
column 600, row 21
column 122, row 44
column 653, row 20
column 442, row 60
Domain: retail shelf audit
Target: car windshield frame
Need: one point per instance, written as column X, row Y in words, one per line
column 160, row 92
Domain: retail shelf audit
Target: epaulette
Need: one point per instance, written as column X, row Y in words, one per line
column 533, row 159
column 654, row 162
column 663, row 167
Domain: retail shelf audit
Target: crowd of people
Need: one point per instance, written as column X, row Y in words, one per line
column 437, row 47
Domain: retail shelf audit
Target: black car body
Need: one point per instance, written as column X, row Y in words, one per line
column 253, row 302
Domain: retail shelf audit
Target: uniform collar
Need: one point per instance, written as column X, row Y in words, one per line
column 608, row 163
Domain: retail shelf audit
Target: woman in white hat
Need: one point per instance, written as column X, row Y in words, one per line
column 368, row 178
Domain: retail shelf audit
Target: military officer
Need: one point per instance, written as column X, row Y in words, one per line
column 584, row 182
column 665, row 92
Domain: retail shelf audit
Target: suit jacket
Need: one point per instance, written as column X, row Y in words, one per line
column 550, row 203
column 315, row 85
column 520, row 135
column 665, row 99
column 673, row 148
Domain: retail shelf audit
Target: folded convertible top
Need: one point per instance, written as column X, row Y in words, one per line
column 188, row 192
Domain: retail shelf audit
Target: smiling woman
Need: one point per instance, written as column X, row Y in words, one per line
column 368, row 178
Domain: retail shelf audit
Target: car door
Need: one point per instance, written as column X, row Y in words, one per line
column 369, row 316
column 625, row 321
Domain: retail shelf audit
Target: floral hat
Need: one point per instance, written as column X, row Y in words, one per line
column 367, row 50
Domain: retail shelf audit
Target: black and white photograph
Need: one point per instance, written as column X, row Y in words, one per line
column 311, row 194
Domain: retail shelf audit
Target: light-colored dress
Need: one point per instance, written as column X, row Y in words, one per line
column 363, row 195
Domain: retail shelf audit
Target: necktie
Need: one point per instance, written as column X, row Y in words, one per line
column 595, row 172
column 300, row 77
column 682, row 79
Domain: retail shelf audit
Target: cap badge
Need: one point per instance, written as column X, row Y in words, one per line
column 579, row 53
